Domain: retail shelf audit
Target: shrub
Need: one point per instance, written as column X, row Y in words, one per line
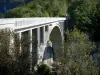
column 43, row 70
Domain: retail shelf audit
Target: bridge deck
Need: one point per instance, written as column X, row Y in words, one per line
column 17, row 23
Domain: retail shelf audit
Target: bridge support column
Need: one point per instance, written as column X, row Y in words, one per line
column 38, row 44
column 41, row 43
column 20, row 36
column 30, row 48
column 38, row 35
column 44, row 35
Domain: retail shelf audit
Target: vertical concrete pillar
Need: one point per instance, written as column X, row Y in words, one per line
column 38, row 44
column 34, row 47
column 44, row 35
column 62, row 30
column 30, row 36
column 20, row 35
column 11, row 44
column 30, row 48
column 38, row 35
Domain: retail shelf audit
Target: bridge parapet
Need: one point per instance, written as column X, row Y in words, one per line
column 17, row 23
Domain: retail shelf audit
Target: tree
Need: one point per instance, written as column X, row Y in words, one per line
column 12, row 60
column 84, row 15
column 5, row 58
column 76, row 58
column 39, row 8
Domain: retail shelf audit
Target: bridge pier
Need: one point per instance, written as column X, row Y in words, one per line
column 38, row 35
column 38, row 46
column 44, row 35
column 20, row 36
column 30, row 37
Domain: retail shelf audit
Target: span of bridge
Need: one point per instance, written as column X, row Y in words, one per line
column 43, row 32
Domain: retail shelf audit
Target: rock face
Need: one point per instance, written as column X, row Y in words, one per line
column 9, row 4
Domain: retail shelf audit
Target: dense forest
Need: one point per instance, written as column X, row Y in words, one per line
column 85, row 15
column 38, row 8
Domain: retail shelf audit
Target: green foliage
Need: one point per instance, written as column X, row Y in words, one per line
column 79, row 15
column 43, row 69
column 40, row 8
column 5, row 58
column 84, row 15
column 19, row 12
column 4, row 42
column 76, row 59
column 12, row 60
column 1, row 15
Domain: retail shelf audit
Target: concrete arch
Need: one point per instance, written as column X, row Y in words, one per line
column 56, row 39
column 54, row 49
column 51, row 28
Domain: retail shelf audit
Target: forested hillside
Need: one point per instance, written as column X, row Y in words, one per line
column 39, row 8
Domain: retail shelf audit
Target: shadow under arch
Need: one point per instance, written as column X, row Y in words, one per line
column 53, row 50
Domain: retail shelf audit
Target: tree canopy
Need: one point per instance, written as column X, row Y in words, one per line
column 85, row 15
column 39, row 8
column 76, row 58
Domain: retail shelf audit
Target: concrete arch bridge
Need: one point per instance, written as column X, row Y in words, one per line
column 46, row 35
